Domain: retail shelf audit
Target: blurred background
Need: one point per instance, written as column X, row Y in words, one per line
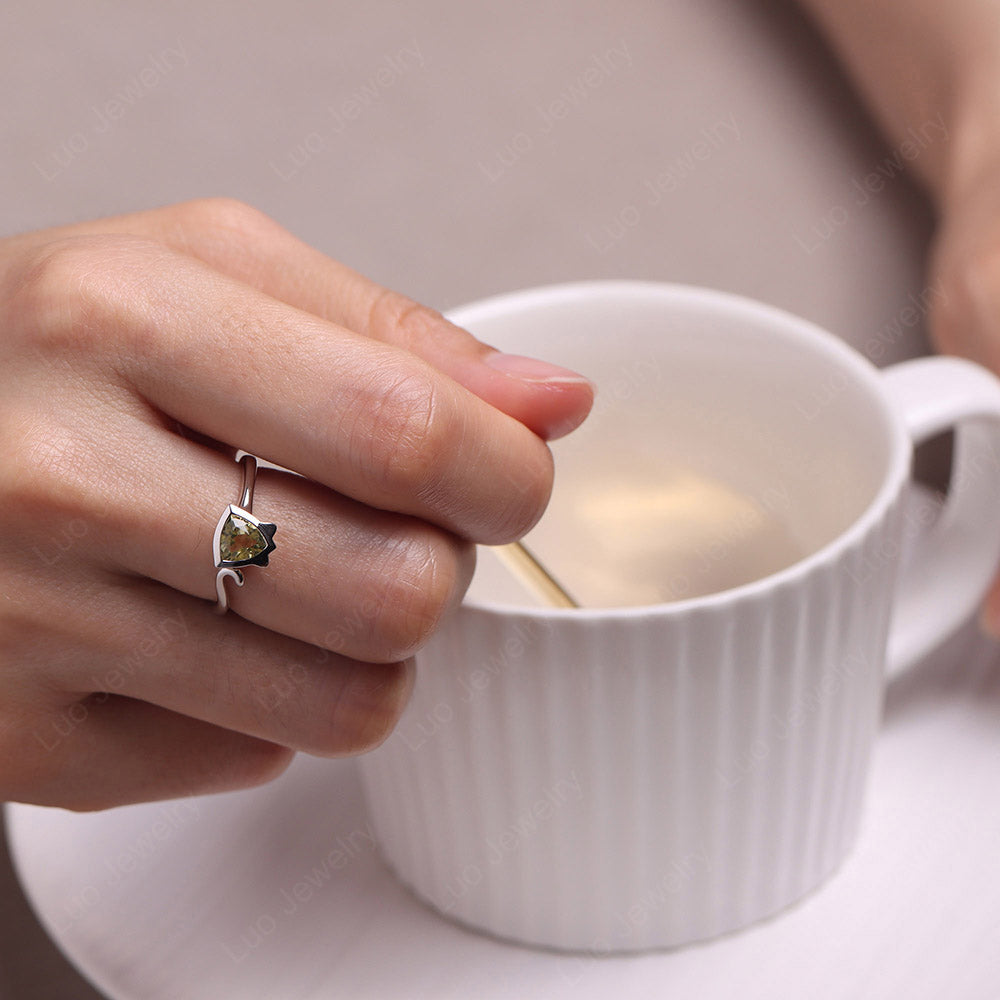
column 455, row 150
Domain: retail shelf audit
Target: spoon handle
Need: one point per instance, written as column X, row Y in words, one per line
column 534, row 575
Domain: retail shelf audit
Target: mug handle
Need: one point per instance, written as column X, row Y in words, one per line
column 952, row 567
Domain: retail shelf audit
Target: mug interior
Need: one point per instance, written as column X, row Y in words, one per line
column 728, row 441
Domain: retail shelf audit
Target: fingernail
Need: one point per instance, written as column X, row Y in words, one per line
column 533, row 370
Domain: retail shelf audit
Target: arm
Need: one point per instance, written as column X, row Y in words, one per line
column 920, row 61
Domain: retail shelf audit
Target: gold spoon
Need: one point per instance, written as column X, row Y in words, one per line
column 519, row 560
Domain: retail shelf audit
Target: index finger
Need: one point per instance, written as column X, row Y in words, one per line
column 247, row 245
column 365, row 418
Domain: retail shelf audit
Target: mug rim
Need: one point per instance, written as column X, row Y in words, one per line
column 895, row 473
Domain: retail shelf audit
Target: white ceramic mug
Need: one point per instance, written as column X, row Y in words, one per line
column 617, row 778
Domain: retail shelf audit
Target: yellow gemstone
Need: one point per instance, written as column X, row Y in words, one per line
column 240, row 540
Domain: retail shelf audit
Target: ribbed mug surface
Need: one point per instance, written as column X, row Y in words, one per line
column 643, row 778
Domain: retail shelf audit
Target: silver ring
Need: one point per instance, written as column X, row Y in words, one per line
column 240, row 538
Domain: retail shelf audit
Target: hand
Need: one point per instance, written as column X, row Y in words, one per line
column 140, row 352
column 963, row 294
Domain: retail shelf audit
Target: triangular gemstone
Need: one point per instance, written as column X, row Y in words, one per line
column 240, row 540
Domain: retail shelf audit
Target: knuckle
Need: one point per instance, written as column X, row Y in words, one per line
column 371, row 700
column 400, row 436
column 220, row 215
column 35, row 756
column 520, row 498
column 235, row 324
column 257, row 763
column 90, row 800
column 23, row 628
column 403, row 321
column 45, row 479
column 424, row 576
column 70, row 295
column 378, row 720
column 237, row 763
column 26, row 769
column 85, row 798
column 30, row 480
column 48, row 297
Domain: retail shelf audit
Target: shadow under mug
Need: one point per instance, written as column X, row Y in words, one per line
column 622, row 778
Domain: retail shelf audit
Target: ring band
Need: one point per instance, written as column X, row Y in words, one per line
column 240, row 538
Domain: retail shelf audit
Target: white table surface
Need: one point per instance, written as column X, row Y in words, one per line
column 237, row 895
